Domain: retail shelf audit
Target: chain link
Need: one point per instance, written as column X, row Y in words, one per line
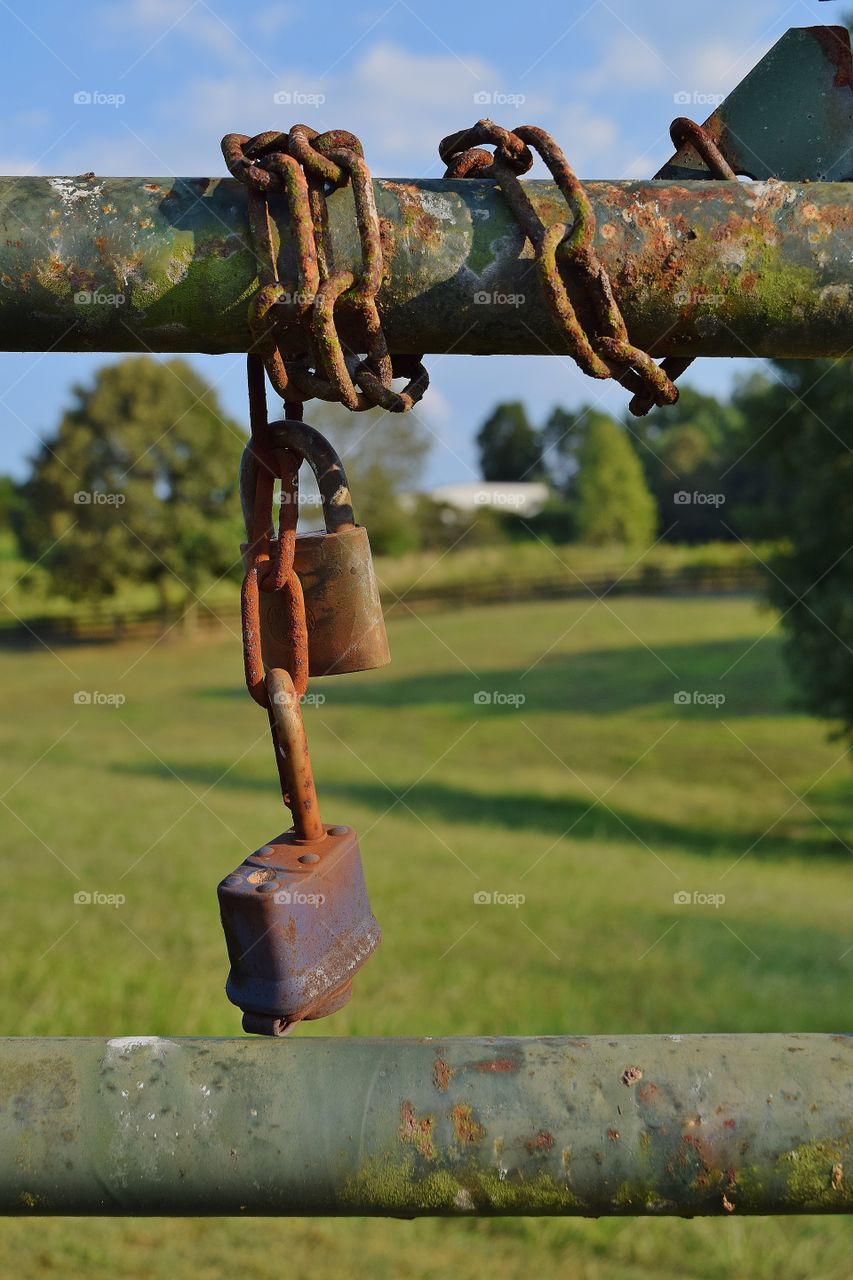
column 683, row 131
column 305, row 166
column 262, row 466
column 603, row 349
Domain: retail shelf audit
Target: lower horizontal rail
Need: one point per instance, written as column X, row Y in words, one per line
column 643, row 1125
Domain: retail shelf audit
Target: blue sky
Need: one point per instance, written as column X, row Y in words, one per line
column 602, row 76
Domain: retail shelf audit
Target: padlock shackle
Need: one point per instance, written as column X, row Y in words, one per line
column 248, row 483
column 294, row 759
column 324, row 461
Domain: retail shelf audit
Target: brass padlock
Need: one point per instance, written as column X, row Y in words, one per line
column 295, row 913
column 343, row 612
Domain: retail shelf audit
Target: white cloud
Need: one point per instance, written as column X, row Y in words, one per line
column 271, row 20
column 437, row 410
column 18, row 166
column 399, row 103
column 587, row 137
column 640, row 167
column 152, row 13
column 407, row 102
column 163, row 21
column 720, row 63
column 32, row 119
column 627, row 62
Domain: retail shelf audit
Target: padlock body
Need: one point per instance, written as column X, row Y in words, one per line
column 343, row 612
column 297, row 924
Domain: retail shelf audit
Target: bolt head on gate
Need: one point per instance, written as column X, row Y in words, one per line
column 298, row 927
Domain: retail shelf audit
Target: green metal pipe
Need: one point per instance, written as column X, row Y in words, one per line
column 698, row 268
column 642, row 1125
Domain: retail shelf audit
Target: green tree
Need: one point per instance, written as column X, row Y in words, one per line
column 562, row 438
column 802, row 427
column 138, row 485
column 11, row 502
column 510, row 448
column 612, row 500
column 697, row 447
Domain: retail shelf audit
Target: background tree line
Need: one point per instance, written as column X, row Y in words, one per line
column 154, row 457
column 688, row 474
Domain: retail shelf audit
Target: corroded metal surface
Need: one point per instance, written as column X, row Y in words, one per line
column 564, row 255
column 343, row 609
column 650, row 1125
column 292, row 746
column 698, row 268
column 304, row 164
column 298, row 927
column 295, row 913
column 260, row 468
column 345, row 627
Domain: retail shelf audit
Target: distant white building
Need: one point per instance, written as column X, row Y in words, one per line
column 518, row 498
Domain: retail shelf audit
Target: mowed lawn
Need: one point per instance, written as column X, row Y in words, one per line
column 580, row 782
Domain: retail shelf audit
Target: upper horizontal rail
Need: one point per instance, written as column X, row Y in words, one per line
column 698, row 268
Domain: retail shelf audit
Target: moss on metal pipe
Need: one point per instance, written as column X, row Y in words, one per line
column 637, row 1125
column 699, row 268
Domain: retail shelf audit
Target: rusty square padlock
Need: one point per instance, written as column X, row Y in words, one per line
column 295, row 913
column 343, row 612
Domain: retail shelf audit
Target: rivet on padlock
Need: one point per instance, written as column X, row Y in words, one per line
column 346, row 629
column 295, row 913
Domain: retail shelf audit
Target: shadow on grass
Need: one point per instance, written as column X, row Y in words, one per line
column 574, row 818
column 606, row 681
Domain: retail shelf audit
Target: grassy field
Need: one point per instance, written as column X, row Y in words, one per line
column 597, row 797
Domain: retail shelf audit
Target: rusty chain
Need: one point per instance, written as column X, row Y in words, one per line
column 562, row 252
column 267, row 568
column 267, row 571
column 305, row 165
column 682, row 131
